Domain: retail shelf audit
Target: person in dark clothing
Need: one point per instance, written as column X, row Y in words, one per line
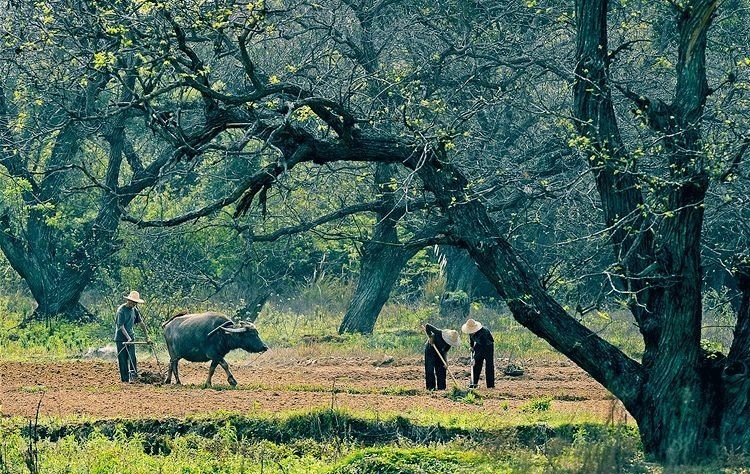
column 434, row 368
column 126, row 317
column 482, row 350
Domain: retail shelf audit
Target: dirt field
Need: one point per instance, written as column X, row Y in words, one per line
column 279, row 382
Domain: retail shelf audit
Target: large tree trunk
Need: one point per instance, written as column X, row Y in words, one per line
column 380, row 267
column 50, row 307
column 735, row 431
column 679, row 407
column 56, row 269
column 687, row 404
column 383, row 257
column 520, row 288
column 460, row 276
column 680, row 396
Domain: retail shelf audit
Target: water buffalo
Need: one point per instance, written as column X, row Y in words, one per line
column 207, row 336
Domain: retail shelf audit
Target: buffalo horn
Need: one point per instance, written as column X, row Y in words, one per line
column 235, row 330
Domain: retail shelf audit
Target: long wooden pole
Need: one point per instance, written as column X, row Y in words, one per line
column 444, row 363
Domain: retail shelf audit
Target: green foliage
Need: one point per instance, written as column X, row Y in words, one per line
column 307, row 321
column 317, row 443
column 617, row 328
column 50, row 339
column 719, row 318
column 53, row 340
column 409, row 461
column 421, row 268
column 538, row 405
column 470, row 397
column 616, row 451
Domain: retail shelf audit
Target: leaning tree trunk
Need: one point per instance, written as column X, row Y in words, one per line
column 380, row 267
column 682, row 411
column 383, row 257
column 460, row 276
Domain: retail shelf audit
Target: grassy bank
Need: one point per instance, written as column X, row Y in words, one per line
column 317, row 442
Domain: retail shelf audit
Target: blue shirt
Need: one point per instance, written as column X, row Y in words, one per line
column 127, row 317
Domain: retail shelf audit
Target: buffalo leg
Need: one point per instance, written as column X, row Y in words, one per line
column 168, row 379
column 230, row 377
column 173, row 364
column 211, row 369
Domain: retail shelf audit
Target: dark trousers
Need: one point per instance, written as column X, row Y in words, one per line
column 127, row 361
column 484, row 354
column 434, row 369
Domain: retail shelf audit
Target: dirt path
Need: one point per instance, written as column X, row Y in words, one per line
column 281, row 382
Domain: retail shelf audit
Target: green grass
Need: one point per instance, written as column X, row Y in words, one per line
column 298, row 324
column 312, row 442
column 415, row 424
column 533, row 438
column 418, row 461
column 537, row 405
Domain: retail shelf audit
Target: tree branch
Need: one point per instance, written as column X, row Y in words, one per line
column 303, row 227
column 735, row 165
column 519, row 286
column 740, row 349
column 13, row 249
column 515, row 281
column 654, row 114
column 8, row 158
column 135, row 162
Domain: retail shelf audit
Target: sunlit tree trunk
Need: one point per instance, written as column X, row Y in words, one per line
column 383, row 257
column 380, row 268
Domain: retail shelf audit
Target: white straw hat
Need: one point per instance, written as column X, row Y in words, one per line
column 471, row 326
column 134, row 296
column 451, row 336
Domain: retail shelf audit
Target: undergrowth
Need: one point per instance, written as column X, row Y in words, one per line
column 328, row 442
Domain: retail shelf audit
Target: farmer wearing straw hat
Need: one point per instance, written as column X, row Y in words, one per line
column 482, row 350
column 434, row 368
column 126, row 317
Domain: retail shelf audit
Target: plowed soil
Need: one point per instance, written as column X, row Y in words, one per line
column 281, row 381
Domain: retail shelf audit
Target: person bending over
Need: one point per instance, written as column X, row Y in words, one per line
column 482, row 350
column 434, row 367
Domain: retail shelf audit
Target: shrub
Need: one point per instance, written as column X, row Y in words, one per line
column 405, row 461
column 537, row 405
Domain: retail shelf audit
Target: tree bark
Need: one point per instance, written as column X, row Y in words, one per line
column 675, row 395
column 614, row 171
column 735, row 377
column 383, row 257
column 519, row 286
column 679, row 407
column 460, row 276
column 380, row 267
column 56, row 269
column 252, row 309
